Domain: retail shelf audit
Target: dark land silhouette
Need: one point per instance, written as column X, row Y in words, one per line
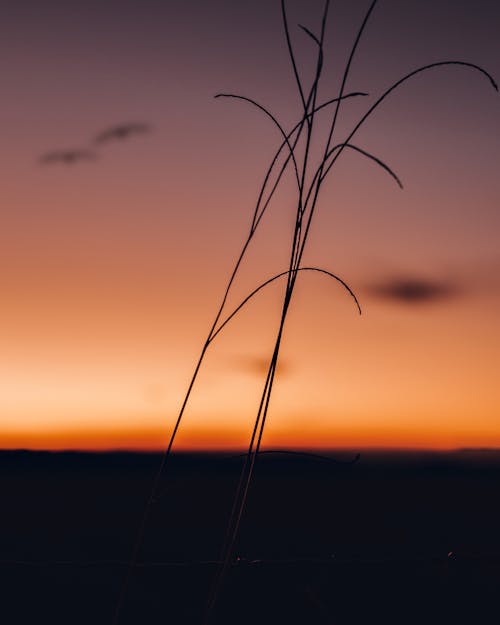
column 400, row 537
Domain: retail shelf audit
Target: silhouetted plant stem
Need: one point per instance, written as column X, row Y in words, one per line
column 259, row 212
column 307, row 198
column 346, row 75
column 259, row 424
column 305, row 208
column 292, row 57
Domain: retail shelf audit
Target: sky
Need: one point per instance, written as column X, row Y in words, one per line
column 112, row 267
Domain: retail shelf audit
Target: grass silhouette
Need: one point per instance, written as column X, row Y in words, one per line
column 295, row 150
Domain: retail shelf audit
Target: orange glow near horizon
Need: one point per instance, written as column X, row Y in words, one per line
column 154, row 440
column 95, row 359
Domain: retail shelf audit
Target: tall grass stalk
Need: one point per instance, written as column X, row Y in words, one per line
column 295, row 150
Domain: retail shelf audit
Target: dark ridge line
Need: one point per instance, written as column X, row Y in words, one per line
column 305, row 454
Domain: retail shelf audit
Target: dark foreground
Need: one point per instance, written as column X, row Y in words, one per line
column 399, row 538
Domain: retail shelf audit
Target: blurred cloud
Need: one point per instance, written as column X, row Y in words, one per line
column 121, row 132
column 409, row 290
column 67, row 157
column 118, row 132
column 257, row 365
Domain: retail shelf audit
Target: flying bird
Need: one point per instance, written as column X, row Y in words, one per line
column 67, row 157
column 121, row 132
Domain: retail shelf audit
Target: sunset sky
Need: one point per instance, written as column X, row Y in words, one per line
column 112, row 268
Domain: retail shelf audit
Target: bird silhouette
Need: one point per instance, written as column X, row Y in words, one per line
column 67, row 157
column 121, row 132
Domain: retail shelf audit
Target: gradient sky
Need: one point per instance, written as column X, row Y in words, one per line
column 111, row 270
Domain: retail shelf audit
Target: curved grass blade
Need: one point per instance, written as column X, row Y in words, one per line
column 298, row 127
column 312, row 35
column 373, row 158
column 276, row 277
column 368, row 155
column 276, row 123
column 399, row 82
